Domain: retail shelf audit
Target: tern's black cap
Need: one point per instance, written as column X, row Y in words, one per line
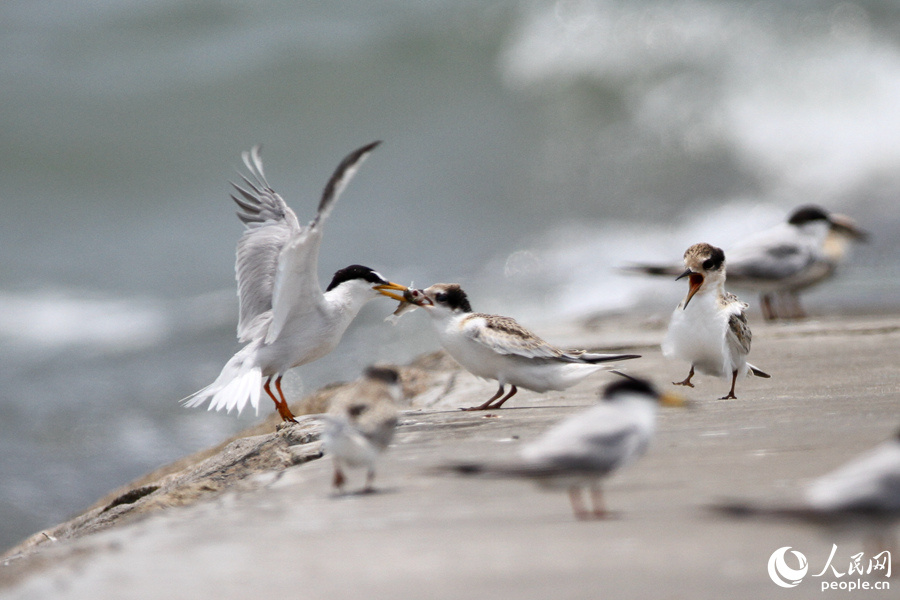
column 630, row 384
column 355, row 272
column 807, row 214
column 454, row 297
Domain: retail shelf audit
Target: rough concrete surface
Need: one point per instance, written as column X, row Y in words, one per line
column 257, row 517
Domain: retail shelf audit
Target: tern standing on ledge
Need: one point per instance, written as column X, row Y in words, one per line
column 709, row 328
column 360, row 423
column 496, row 347
column 579, row 452
column 285, row 318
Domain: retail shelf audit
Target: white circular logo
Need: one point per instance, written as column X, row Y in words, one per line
column 782, row 574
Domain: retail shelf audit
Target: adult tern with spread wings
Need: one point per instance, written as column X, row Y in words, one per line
column 285, row 318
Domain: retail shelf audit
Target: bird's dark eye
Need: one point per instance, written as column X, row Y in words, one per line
column 441, row 296
column 357, row 409
column 709, row 263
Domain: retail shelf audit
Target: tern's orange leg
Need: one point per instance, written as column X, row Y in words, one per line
column 578, row 508
column 598, row 503
column 687, row 380
column 796, row 309
column 280, row 405
column 284, row 410
column 731, row 395
column 339, row 479
column 370, row 482
column 512, row 392
column 767, row 307
column 487, row 404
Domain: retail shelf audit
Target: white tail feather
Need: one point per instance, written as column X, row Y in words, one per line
column 238, row 383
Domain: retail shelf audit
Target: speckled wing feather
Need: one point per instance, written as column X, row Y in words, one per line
column 738, row 336
column 504, row 335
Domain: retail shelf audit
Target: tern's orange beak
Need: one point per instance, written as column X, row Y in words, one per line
column 845, row 225
column 384, row 287
column 673, row 399
column 696, row 280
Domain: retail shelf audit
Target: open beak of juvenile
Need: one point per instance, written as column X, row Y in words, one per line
column 696, row 280
column 385, row 289
column 418, row 298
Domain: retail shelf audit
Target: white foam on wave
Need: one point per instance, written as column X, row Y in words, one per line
column 804, row 98
column 575, row 271
column 56, row 319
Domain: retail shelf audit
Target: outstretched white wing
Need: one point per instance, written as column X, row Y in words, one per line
column 296, row 285
column 271, row 225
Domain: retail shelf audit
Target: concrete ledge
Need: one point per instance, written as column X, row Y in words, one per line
column 257, row 517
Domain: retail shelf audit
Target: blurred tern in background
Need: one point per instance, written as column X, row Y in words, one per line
column 496, row 347
column 285, row 318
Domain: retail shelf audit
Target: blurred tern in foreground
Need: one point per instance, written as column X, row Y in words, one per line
column 285, row 318
column 709, row 328
column 495, row 347
column 360, row 423
column 863, row 494
column 580, row 451
column 780, row 262
column 868, row 483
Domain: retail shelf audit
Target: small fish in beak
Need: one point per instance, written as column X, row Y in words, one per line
column 409, row 301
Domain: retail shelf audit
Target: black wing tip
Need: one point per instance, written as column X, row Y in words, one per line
column 330, row 192
column 648, row 269
column 759, row 373
column 612, row 358
column 355, row 156
column 459, row 469
column 735, row 509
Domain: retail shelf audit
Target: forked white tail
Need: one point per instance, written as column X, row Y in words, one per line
column 238, row 383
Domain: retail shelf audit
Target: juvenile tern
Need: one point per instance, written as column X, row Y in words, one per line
column 360, row 423
column 580, row 451
column 709, row 328
column 285, row 318
column 496, row 347
column 783, row 261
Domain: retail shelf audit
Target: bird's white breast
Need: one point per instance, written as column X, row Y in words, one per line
column 697, row 334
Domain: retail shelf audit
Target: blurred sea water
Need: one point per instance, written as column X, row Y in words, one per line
column 530, row 148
